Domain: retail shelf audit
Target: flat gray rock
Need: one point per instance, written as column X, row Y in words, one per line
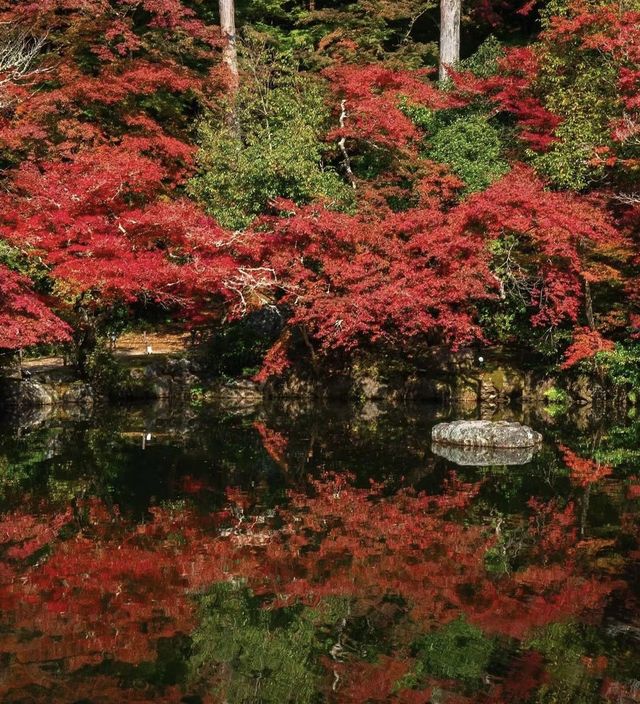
column 485, row 433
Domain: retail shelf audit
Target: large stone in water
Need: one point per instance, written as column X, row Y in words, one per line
column 485, row 433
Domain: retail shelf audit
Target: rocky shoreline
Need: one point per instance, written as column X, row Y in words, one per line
column 458, row 379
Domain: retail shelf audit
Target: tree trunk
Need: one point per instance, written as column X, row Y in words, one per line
column 449, row 35
column 230, row 52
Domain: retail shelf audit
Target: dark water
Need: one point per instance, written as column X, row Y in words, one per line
column 318, row 555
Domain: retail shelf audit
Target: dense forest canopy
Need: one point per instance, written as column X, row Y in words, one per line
column 335, row 182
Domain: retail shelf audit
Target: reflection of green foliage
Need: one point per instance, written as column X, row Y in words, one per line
column 502, row 557
column 332, row 609
column 277, row 152
column 263, row 655
column 63, row 491
column 496, row 560
column 457, row 651
column 564, row 645
column 17, row 469
column 12, row 475
column 557, row 401
column 620, row 447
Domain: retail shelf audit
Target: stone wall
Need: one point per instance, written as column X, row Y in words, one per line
column 463, row 377
column 468, row 378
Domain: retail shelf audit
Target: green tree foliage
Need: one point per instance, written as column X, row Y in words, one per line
column 582, row 90
column 278, row 149
column 484, row 61
column 580, row 81
column 472, row 147
column 622, row 365
column 318, row 33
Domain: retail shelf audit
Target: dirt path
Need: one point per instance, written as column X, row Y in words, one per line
column 128, row 345
column 132, row 344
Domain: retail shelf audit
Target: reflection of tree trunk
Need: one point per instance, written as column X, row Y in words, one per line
column 230, row 54
column 585, row 509
column 309, row 456
column 588, row 305
column 449, row 35
column 597, row 439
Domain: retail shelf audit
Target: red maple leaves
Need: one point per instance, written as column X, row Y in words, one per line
column 586, row 344
column 25, row 319
column 94, row 195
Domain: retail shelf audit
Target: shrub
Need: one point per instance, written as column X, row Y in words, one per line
column 277, row 150
column 472, row 147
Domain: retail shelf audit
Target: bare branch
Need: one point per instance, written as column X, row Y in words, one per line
column 341, row 143
column 412, row 23
column 19, row 51
column 256, row 284
column 628, row 198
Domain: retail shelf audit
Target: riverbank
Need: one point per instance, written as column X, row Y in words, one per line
column 149, row 369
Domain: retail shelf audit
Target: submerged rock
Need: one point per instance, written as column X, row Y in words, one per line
column 485, row 433
column 468, row 455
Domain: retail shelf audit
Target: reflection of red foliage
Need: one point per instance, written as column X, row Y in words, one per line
column 633, row 490
column 373, row 682
column 191, row 485
column 274, row 443
column 406, row 560
column 613, row 691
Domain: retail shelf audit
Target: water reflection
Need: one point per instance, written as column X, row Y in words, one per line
column 315, row 556
column 468, row 456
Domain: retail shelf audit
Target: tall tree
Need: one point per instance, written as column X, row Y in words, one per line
column 449, row 35
column 229, row 51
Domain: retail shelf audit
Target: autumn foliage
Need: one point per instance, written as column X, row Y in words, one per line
column 25, row 318
column 98, row 142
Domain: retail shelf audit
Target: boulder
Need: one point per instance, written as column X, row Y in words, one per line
column 485, row 433
column 36, row 393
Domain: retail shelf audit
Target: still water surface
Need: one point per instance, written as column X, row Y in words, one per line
column 325, row 555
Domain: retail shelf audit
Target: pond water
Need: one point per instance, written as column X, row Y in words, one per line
column 314, row 555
